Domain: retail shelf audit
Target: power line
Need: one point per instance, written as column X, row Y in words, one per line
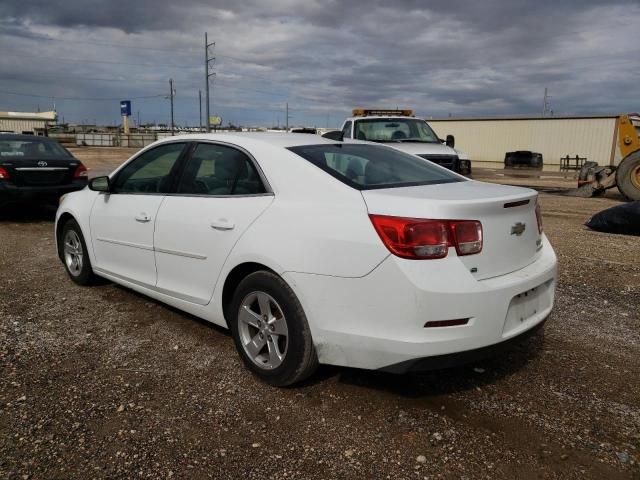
column 80, row 98
column 110, row 62
column 121, row 45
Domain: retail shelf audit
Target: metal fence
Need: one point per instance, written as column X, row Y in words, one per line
column 135, row 140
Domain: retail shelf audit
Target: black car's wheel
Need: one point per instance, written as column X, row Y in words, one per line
column 270, row 330
column 74, row 254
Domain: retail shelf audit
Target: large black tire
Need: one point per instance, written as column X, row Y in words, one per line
column 628, row 176
column 80, row 271
column 299, row 360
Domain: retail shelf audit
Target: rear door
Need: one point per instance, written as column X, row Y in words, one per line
column 122, row 222
column 220, row 194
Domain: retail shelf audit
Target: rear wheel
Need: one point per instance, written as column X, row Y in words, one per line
column 270, row 330
column 628, row 176
column 74, row 254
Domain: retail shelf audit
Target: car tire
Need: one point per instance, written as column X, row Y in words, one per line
column 74, row 254
column 270, row 330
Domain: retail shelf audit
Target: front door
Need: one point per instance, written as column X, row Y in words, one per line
column 219, row 196
column 122, row 222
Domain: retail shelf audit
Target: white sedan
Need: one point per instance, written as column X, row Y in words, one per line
column 316, row 251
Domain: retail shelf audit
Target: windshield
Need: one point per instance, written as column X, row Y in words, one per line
column 394, row 130
column 366, row 167
column 16, row 149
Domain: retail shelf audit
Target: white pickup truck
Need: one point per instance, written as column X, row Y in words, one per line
column 401, row 130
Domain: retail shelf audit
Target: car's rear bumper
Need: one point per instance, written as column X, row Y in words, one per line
column 10, row 193
column 379, row 321
column 456, row 359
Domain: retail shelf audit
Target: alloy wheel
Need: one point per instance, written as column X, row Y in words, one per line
column 73, row 253
column 263, row 330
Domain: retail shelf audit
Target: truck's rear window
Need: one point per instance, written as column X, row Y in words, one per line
column 367, row 167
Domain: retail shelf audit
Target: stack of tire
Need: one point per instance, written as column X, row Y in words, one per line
column 523, row 158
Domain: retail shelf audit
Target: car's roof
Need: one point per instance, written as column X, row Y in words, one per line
column 19, row 136
column 284, row 140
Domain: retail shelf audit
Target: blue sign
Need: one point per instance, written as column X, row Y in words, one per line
column 125, row 108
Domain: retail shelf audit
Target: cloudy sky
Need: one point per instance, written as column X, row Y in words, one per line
column 323, row 57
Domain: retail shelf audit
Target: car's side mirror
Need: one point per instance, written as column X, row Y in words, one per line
column 100, row 184
column 451, row 141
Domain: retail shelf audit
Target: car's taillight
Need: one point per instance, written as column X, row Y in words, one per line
column 417, row 238
column 81, row 171
column 4, row 175
column 467, row 235
column 539, row 217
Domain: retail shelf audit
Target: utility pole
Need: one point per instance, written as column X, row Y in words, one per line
column 138, row 122
column 208, row 64
column 171, row 95
column 546, row 107
column 200, row 106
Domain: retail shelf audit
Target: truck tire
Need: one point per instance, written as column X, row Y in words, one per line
column 628, row 176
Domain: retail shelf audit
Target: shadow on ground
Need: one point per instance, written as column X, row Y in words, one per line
column 27, row 213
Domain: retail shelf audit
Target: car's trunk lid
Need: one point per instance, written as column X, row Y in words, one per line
column 511, row 239
column 40, row 172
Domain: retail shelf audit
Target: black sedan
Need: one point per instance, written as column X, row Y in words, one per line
column 37, row 170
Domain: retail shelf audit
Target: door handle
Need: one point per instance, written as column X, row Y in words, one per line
column 222, row 224
column 143, row 217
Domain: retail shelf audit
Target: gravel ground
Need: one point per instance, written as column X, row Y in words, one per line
column 101, row 382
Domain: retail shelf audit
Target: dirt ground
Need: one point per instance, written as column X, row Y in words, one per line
column 101, row 382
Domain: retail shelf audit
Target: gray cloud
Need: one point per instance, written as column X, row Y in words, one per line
column 323, row 57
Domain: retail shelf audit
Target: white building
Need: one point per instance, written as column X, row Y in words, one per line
column 486, row 140
column 26, row 122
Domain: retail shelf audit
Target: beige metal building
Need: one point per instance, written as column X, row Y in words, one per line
column 486, row 140
column 26, row 122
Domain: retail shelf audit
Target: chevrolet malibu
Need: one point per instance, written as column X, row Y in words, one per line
column 316, row 251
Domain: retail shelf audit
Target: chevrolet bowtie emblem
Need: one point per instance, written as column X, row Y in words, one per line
column 518, row 228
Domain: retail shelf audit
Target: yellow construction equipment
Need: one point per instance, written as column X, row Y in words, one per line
column 593, row 179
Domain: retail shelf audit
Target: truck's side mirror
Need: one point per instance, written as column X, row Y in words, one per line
column 100, row 184
column 334, row 135
column 451, row 141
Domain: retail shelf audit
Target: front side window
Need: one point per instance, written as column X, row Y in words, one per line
column 395, row 130
column 366, row 167
column 220, row 170
column 150, row 172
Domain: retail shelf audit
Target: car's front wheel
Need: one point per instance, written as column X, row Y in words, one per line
column 74, row 254
column 270, row 330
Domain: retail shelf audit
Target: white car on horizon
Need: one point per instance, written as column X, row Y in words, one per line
column 317, row 251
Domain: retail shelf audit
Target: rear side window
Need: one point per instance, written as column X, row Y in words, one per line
column 367, row 167
column 220, row 170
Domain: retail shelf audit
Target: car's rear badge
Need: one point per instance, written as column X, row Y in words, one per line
column 42, row 163
column 518, row 228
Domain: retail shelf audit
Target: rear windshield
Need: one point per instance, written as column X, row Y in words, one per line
column 15, row 149
column 367, row 167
